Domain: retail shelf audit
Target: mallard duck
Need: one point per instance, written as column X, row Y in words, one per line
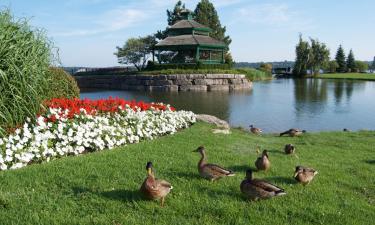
column 209, row 171
column 255, row 130
column 153, row 188
column 304, row 175
column 293, row 132
column 263, row 162
column 289, row 149
column 255, row 189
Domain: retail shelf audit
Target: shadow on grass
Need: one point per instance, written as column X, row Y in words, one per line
column 282, row 180
column 123, row 195
column 187, row 175
column 241, row 168
column 370, row 161
column 119, row 195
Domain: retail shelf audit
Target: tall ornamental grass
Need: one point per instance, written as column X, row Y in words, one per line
column 25, row 55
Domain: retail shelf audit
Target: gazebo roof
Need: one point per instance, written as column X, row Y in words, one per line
column 189, row 24
column 190, row 40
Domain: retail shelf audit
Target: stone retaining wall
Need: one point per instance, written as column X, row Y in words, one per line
column 173, row 82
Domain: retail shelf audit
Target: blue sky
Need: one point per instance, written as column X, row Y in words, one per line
column 88, row 31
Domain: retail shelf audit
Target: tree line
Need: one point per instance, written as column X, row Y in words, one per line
column 313, row 56
column 137, row 51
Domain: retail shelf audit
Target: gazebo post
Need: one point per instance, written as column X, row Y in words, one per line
column 222, row 56
column 197, row 55
column 153, row 55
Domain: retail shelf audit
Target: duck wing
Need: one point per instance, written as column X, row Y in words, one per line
column 266, row 186
column 218, row 170
column 165, row 184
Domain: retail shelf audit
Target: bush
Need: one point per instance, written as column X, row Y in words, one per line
column 154, row 66
column 61, row 84
column 25, row 56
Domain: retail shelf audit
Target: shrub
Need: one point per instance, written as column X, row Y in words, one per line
column 25, row 55
column 199, row 65
column 61, row 84
column 254, row 74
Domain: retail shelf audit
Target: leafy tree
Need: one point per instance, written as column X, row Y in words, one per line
column 266, row 67
column 318, row 56
column 332, row 66
column 302, row 57
column 361, row 66
column 229, row 59
column 340, row 59
column 136, row 51
column 206, row 14
column 350, row 62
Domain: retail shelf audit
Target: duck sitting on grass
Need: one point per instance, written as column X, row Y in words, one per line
column 289, row 149
column 209, row 171
column 153, row 188
column 293, row 132
column 304, row 175
column 263, row 162
column 255, row 130
column 255, row 189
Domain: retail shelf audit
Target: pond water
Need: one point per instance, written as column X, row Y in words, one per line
column 277, row 105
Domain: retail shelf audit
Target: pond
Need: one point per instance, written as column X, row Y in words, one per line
column 277, row 105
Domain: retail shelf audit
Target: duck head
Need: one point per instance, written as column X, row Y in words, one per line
column 298, row 170
column 265, row 153
column 149, row 168
column 200, row 149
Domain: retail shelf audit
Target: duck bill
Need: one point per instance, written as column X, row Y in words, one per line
column 295, row 174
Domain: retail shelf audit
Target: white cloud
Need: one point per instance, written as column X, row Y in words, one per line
column 109, row 21
column 273, row 15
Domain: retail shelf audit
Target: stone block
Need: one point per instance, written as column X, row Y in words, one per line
column 182, row 82
column 235, row 81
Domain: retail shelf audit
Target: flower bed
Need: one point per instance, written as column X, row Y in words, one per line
column 72, row 127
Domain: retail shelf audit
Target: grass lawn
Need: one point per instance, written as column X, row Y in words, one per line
column 102, row 188
column 352, row 76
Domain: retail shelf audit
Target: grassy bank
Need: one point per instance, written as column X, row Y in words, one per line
column 102, row 188
column 351, row 76
column 251, row 74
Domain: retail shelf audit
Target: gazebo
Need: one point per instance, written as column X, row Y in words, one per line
column 189, row 42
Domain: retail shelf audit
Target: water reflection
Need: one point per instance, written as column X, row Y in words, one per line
column 311, row 104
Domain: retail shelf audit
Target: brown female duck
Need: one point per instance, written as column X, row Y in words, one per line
column 304, row 175
column 289, row 149
column 255, row 130
column 153, row 188
column 255, row 189
column 293, row 132
column 263, row 162
column 209, row 171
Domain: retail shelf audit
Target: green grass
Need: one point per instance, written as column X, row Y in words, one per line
column 352, row 76
column 102, row 188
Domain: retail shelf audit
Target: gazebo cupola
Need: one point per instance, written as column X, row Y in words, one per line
column 189, row 42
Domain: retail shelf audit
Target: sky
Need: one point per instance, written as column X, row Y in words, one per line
column 86, row 32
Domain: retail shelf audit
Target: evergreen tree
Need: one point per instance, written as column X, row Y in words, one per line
column 350, row 62
column 373, row 64
column 173, row 16
column 206, row 14
column 340, row 59
column 302, row 57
